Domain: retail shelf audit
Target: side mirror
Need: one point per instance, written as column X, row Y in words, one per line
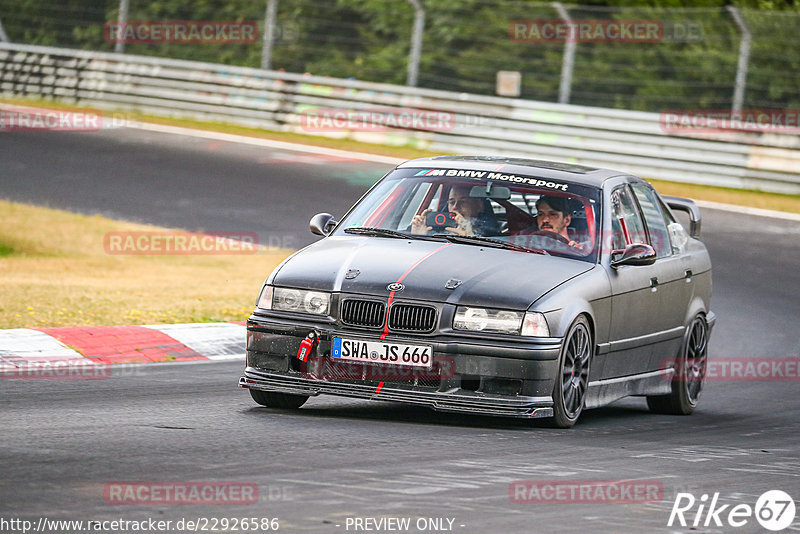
column 322, row 224
column 635, row 254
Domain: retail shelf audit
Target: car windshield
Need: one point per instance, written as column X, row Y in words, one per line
column 480, row 208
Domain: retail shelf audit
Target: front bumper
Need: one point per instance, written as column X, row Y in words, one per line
column 447, row 401
column 473, row 375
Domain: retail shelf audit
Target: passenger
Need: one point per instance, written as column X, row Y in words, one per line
column 473, row 215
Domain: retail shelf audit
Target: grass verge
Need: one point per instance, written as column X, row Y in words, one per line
column 756, row 199
column 56, row 272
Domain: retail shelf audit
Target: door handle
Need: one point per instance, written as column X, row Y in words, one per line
column 654, row 284
column 688, row 275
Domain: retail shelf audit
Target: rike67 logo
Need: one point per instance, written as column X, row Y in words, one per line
column 774, row 510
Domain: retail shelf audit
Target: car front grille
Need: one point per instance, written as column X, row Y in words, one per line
column 402, row 317
column 363, row 313
column 411, row 318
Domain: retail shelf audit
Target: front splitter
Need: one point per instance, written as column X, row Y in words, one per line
column 455, row 400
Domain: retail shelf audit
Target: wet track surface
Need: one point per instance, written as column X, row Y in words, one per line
column 62, row 442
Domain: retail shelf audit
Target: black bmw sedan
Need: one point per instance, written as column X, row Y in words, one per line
column 491, row 285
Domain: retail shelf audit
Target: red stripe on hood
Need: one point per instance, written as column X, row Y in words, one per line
column 402, row 276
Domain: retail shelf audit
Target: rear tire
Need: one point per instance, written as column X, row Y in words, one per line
column 690, row 371
column 272, row 399
column 572, row 380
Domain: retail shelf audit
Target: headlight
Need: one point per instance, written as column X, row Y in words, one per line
column 316, row 302
column 535, row 325
column 299, row 300
column 485, row 320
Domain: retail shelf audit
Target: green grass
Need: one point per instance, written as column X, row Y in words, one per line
column 57, row 272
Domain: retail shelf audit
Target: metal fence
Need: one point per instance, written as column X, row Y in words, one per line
column 707, row 57
column 632, row 141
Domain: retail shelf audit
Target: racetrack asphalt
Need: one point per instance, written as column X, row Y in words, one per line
column 62, row 442
column 183, row 182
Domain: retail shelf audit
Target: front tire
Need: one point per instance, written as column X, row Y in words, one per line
column 690, row 371
column 572, row 381
column 271, row 399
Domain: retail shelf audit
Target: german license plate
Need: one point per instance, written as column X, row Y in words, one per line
column 379, row 352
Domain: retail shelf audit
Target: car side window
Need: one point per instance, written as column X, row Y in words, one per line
column 678, row 235
column 626, row 220
column 656, row 224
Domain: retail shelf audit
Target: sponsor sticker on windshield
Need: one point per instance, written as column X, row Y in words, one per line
column 487, row 175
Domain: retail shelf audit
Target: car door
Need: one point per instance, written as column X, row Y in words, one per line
column 635, row 299
column 673, row 273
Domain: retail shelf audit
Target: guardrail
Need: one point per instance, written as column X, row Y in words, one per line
column 630, row 141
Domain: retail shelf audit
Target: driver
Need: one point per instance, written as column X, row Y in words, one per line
column 554, row 214
column 473, row 215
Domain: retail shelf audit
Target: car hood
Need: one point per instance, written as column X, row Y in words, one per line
column 489, row 277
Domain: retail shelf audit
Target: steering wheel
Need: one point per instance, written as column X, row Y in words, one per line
column 551, row 235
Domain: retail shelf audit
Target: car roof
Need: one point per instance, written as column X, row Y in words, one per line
column 512, row 165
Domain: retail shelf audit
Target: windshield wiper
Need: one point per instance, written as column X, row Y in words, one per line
column 496, row 243
column 385, row 232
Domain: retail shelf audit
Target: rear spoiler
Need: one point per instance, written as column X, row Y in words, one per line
column 684, row 204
